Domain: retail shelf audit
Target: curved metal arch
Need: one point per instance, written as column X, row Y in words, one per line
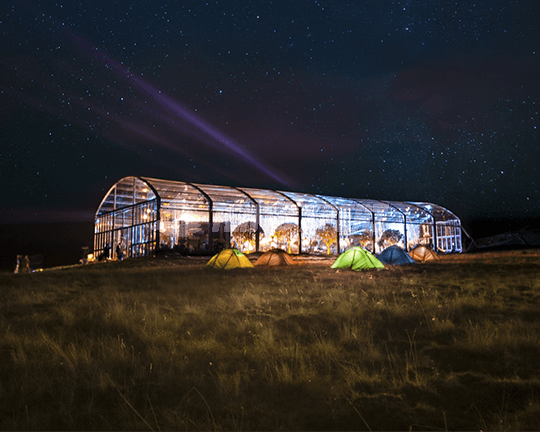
column 210, row 215
column 106, row 196
column 359, row 201
column 299, row 219
column 151, row 186
column 404, row 220
column 441, row 207
column 156, row 194
column 246, row 194
column 133, row 181
column 326, row 201
column 448, row 211
column 203, row 192
column 433, row 220
column 435, row 245
column 394, row 207
column 337, row 218
column 158, row 207
column 257, row 216
column 420, row 208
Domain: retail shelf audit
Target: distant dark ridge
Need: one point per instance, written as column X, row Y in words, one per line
column 59, row 243
column 484, row 227
column 522, row 239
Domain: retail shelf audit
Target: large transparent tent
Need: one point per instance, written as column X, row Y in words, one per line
column 141, row 215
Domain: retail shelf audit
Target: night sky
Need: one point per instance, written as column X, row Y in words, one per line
column 399, row 100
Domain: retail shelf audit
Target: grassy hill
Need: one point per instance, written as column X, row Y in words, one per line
column 164, row 343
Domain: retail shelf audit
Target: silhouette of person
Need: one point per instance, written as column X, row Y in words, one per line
column 107, row 251
column 119, row 252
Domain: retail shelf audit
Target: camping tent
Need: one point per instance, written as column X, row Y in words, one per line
column 229, row 259
column 274, row 257
column 422, row 253
column 357, row 258
column 394, row 255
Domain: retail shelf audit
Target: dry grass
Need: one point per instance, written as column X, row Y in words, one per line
column 166, row 344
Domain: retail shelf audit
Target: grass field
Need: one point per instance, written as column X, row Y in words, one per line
column 165, row 344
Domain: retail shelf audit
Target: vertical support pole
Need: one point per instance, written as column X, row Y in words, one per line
column 299, row 230
column 157, row 221
column 257, row 219
column 338, row 227
column 113, row 248
column 258, row 232
column 210, row 215
column 405, row 232
column 211, row 226
column 435, row 235
column 373, row 225
column 338, row 231
column 132, row 228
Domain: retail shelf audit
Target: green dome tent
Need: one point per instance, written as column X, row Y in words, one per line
column 357, row 258
column 394, row 255
column 229, row 259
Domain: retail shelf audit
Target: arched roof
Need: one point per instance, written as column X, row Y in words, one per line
column 187, row 196
column 126, row 192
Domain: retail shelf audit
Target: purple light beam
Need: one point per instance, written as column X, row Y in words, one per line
column 203, row 131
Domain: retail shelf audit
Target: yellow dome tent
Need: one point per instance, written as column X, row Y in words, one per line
column 229, row 259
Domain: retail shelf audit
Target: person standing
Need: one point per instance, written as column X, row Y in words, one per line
column 107, row 251
column 119, row 252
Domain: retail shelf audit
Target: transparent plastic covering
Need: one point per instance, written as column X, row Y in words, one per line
column 127, row 192
column 141, row 215
column 437, row 212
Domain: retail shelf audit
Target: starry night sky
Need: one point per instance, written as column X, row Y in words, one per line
column 401, row 100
